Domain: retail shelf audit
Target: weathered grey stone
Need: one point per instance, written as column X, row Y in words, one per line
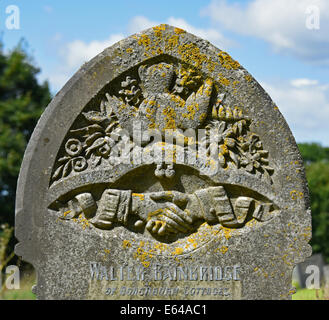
column 207, row 223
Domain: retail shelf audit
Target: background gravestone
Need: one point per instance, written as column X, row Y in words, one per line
column 303, row 273
column 231, row 224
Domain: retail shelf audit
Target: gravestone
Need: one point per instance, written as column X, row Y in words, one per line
column 312, row 267
column 162, row 170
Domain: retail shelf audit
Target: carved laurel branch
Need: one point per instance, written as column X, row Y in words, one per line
column 96, row 144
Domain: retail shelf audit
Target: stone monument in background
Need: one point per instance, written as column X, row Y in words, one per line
column 162, row 170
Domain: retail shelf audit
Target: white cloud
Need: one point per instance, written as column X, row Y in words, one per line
column 73, row 54
column 303, row 82
column 305, row 105
column 140, row 23
column 77, row 52
column 210, row 34
column 282, row 23
column 57, row 79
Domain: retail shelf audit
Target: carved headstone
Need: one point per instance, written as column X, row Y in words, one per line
column 162, row 170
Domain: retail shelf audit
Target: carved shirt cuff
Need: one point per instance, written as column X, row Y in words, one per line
column 215, row 205
column 115, row 205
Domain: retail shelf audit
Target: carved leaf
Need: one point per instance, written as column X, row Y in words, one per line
column 234, row 157
column 263, row 153
column 264, row 161
column 86, row 131
column 256, row 164
column 229, row 142
column 94, row 116
column 268, row 169
column 240, row 125
column 97, row 144
column 63, row 159
column 92, row 138
column 235, row 128
column 221, row 160
column 250, row 167
column 221, row 127
column 214, row 112
column 113, row 101
column 111, row 126
column 58, row 172
column 67, row 168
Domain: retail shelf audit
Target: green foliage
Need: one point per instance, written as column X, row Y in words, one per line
column 318, row 181
column 317, row 172
column 313, row 152
column 22, row 100
column 5, row 235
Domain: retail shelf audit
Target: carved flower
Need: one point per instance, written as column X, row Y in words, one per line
column 254, row 157
column 130, row 92
column 222, row 141
column 79, row 164
column 73, row 147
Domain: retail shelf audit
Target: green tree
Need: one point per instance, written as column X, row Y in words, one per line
column 313, row 152
column 22, row 100
column 316, row 160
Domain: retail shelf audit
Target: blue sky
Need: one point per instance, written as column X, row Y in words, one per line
column 270, row 38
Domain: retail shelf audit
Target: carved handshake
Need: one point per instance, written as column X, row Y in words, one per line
column 178, row 211
column 167, row 212
column 161, row 211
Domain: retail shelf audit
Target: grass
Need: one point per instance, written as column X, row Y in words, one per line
column 311, row 294
column 307, row 294
column 24, row 293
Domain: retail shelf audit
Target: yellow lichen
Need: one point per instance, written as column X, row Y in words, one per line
column 223, row 249
column 143, row 256
column 224, row 81
column 227, row 232
column 158, row 30
column 179, row 31
column 178, row 251
column 139, row 195
column 227, row 62
column 82, row 221
column 126, row 243
column 145, row 41
column 248, row 77
column 170, row 119
column 190, row 53
column 172, row 42
column 66, row 213
column 294, row 194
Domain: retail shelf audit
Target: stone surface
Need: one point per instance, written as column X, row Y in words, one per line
column 223, row 214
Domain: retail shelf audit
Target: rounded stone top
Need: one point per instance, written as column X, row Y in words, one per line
column 173, row 85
